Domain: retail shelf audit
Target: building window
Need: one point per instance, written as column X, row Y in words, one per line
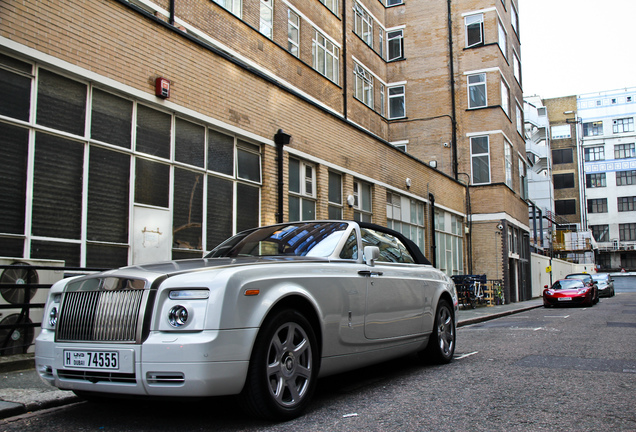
column 480, row 159
column 234, row 6
column 474, row 30
column 519, row 119
column 505, row 98
column 267, row 17
column 514, row 18
column 362, row 208
column 594, row 153
column 600, row 232
column 363, row 24
column 335, row 195
column 448, row 238
column 302, row 190
column 394, row 2
column 395, row 42
column 624, row 151
column 627, row 232
column 381, row 41
column 406, row 216
column 293, row 32
column 397, row 102
column 508, row 164
column 595, row 180
column 477, row 95
column 626, row 203
column 523, row 179
column 563, row 181
column 503, row 39
column 326, row 57
column 565, row 207
column 623, row 125
column 516, row 64
column 332, row 5
column 593, row 128
column 562, row 156
column 597, row 205
column 625, row 178
column 382, row 100
column 363, row 85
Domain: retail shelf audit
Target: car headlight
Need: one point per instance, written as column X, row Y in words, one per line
column 178, row 316
column 183, row 309
column 52, row 311
column 189, row 294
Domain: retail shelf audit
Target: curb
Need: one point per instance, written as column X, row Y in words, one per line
column 476, row 320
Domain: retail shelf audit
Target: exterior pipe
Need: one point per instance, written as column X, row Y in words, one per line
column 452, row 91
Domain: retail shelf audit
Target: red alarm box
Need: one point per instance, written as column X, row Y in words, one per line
column 162, row 88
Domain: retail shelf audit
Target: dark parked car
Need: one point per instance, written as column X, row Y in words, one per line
column 588, row 281
column 604, row 284
column 568, row 292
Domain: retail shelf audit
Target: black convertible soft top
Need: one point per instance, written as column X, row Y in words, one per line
column 414, row 249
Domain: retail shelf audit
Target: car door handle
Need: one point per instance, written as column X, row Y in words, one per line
column 369, row 273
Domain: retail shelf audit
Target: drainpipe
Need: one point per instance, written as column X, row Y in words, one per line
column 344, row 59
column 281, row 139
column 431, row 199
column 172, row 12
column 452, row 90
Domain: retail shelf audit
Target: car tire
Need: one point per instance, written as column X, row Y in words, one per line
column 283, row 368
column 441, row 344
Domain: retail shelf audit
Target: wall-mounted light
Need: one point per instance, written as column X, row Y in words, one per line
column 351, row 200
column 408, row 182
column 433, row 164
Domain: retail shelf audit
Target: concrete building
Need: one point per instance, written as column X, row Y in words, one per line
column 146, row 130
column 609, row 155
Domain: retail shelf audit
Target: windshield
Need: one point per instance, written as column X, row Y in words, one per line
column 601, row 277
column 567, row 284
column 583, row 277
column 314, row 239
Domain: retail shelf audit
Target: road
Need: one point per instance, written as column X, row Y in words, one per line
column 566, row 369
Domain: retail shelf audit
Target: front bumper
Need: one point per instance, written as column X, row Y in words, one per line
column 201, row 364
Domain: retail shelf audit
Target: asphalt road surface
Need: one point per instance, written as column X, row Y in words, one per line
column 565, row 369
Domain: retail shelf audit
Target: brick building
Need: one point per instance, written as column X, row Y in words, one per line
column 276, row 110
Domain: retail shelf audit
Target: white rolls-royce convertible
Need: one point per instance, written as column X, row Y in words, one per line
column 262, row 316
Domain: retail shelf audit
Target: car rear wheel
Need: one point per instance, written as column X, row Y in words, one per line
column 283, row 368
column 441, row 344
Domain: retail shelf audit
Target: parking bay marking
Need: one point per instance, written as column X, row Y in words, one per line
column 466, row 355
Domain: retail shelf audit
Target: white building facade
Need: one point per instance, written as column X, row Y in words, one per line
column 609, row 151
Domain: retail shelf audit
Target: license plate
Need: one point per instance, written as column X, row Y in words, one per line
column 91, row 359
column 565, row 298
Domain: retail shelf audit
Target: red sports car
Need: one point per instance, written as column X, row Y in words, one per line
column 568, row 291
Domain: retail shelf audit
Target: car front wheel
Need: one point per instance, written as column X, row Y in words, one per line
column 283, row 368
column 441, row 344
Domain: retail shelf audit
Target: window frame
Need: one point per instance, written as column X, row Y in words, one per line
column 303, row 196
column 363, row 85
column 363, row 211
column 401, row 95
column 595, row 153
column 391, row 37
column 483, row 82
column 266, row 21
column 594, row 128
column 624, row 151
column 623, row 125
column 597, row 205
column 476, row 22
column 625, row 178
column 595, row 180
column 321, row 51
column 626, row 203
column 363, row 24
column 480, row 156
column 293, row 44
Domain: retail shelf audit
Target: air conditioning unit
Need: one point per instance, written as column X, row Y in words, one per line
column 24, row 271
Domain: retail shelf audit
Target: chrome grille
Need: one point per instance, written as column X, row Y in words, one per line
column 100, row 316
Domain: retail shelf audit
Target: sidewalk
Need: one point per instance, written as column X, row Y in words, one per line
column 22, row 390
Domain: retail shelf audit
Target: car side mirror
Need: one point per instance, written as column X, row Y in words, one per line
column 371, row 253
column 545, row 286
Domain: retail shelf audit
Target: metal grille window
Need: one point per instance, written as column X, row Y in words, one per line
column 325, row 57
column 626, row 203
column 395, row 42
column 597, row 205
column 474, row 30
column 594, row 153
column 61, row 103
column 593, row 128
column 363, row 85
column 153, row 132
column 363, row 24
column 600, row 232
column 623, row 125
column 293, row 32
column 625, row 178
column 562, row 156
column 595, row 180
column 565, row 207
column 624, row 151
column 480, row 157
column 16, row 84
column 627, row 232
column 563, row 181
